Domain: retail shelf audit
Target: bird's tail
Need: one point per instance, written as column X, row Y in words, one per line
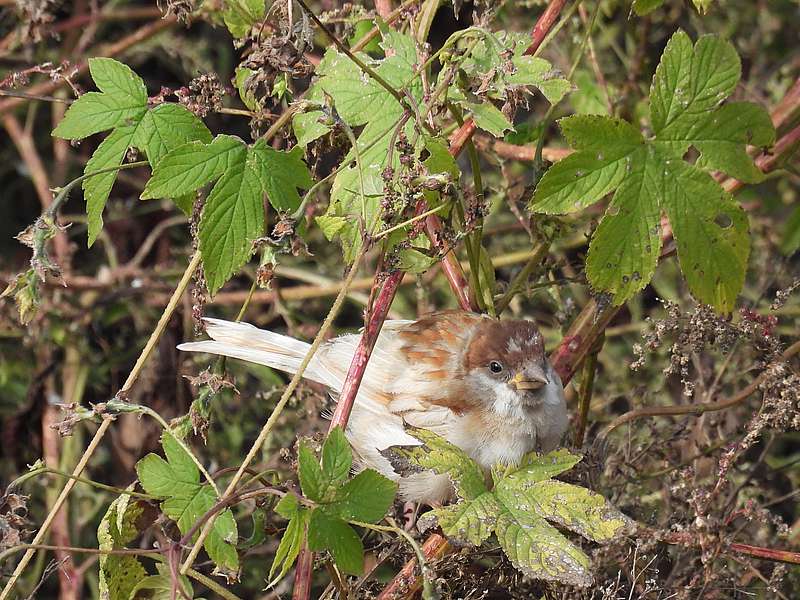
column 247, row 342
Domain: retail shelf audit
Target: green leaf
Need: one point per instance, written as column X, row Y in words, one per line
column 580, row 510
column 538, row 549
column 241, row 15
column 624, row 250
column 123, row 101
column 485, row 114
column 119, row 574
column 414, row 261
column 159, row 587
column 791, row 233
column 364, row 498
column 288, row 506
column 470, row 520
column 652, row 176
column 722, row 137
column 281, row 173
column 185, row 500
column 290, row 544
column 442, row 457
column 691, row 81
column 337, row 458
column 711, row 232
column 166, row 127
column 232, row 219
column 193, row 165
column 110, row 153
column 537, row 467
column 313, row 480
column 334, row 535
column 529, row 70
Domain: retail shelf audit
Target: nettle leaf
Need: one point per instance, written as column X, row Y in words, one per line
column 233, row 213
column 651, row 177
column 185, row 500
column 122, row 105
column 119, row 574
column 517, row 510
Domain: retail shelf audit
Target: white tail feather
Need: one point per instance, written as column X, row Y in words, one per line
column 247, row 342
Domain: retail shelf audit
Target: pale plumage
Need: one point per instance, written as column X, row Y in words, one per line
column 433, row 373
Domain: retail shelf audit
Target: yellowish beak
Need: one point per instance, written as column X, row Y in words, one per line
column 535, row 383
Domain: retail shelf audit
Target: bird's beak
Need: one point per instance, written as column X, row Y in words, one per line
column 530, row 380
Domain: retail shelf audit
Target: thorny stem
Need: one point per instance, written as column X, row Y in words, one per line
column 284, row 399
column 101, row 431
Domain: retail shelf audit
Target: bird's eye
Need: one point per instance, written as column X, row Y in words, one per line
column 495, row 367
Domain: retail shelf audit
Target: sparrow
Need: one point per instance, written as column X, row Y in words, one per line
column 483, row 384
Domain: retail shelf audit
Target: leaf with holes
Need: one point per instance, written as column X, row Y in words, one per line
column 652, row 177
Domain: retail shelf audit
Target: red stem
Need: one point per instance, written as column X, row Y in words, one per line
column 302, row 574
column 767, row 553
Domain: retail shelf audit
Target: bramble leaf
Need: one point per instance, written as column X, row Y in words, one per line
column 292, row 540
column 241, row 15
column 364, row 498
column 122, row 105
column 326, row 532
column 337, row 458
column 185, row 500
column 651, row 176
column 524, row 498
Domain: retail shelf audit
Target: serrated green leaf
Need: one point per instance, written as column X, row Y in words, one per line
column 313, row 481
column 537, row 467
column 159, row 587
column 241, row 15
column 337, row 458
column 611, row 136
column 232, row 219
column 290, row 545
column 690, row 81
column 469, row 520
column 538, row 549
column 193, row 165
column 95, row 112
column 123, row 101
column 280, row 173
column 580, row 510
column 110, row 153
column 185, row 500
column 711, row 232
column 442, row 457
column 329, row 533
column 625, row 247
column 166, row 127
column 722, row 137
column 364, row 498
